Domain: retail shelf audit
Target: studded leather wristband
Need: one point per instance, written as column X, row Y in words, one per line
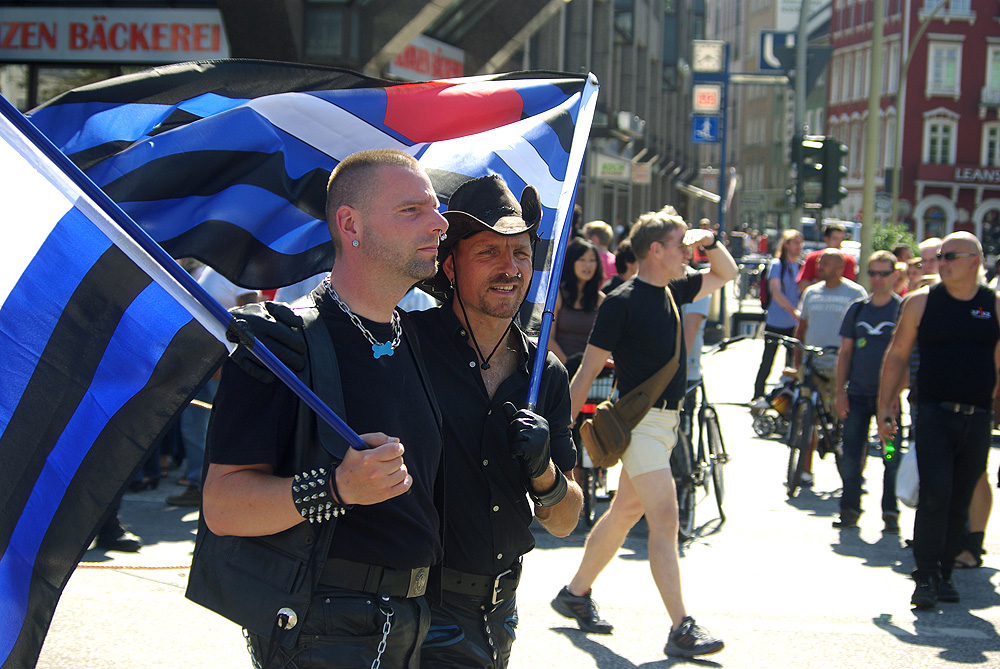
column 553, row 496
column 314, row 493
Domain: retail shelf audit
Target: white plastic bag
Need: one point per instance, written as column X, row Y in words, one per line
column 907, row 479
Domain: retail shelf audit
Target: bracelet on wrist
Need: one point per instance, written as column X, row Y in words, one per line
column 554, row 495
column 715, row 242
column 315, row 495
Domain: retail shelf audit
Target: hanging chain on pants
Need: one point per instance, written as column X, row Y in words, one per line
column 386, row 628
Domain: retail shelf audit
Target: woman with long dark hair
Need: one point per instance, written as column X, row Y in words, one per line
column 577, row 301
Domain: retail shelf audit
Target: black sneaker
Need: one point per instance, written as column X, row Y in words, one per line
column 946, row 591
column 891, row 521
column 583, row 610
column 121, row 540
column 691, row 639
column 848, row 519
column 925, row 595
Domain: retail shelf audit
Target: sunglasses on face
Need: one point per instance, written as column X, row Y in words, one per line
column 952, row 255
column 881, row 273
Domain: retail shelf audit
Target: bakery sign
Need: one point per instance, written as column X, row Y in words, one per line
column 108, row 34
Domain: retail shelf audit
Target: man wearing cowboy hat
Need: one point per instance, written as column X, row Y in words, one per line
column 479, row 364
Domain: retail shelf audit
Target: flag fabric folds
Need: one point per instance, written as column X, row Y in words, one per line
column 227, row 161
column 99, row 349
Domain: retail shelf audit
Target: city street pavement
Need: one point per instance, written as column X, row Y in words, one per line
column 776, row 581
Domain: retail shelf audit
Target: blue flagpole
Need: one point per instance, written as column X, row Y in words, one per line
column 558, row 258
column 581, row 133
column 217, row 311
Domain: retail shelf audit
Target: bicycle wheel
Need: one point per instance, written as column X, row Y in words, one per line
column 717, row 455
column 682, row 468
column 799, row 436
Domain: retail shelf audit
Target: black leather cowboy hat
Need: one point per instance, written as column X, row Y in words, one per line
column 484, row 204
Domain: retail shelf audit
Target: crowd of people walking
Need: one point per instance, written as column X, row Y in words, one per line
column 479, row 465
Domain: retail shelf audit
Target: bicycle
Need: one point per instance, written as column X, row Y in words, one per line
column 702, row 467
column 595, row 479
column 810, row 417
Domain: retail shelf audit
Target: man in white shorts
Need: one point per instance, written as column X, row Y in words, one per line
column 639, row 325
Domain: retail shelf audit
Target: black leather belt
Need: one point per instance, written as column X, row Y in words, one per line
column 374, row 579
column 955, row 407
column 493, row 588
column 669, row 405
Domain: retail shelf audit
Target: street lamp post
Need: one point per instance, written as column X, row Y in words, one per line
column 901, row 96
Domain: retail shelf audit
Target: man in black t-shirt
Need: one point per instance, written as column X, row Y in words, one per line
column 956, row 324
column 638, row 324
column 479, row 365
column 383, row 218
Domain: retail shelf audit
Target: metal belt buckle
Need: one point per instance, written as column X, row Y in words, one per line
column 496, row 587
column 418, row 582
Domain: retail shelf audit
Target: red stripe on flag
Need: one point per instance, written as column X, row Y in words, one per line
column 430, row 112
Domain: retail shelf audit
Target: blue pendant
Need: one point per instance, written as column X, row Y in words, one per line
column 378, row 350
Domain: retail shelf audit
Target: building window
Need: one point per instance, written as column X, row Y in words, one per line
column 943, row 71
column 859, row 70
column 324, row 38
column 992, row 91
column 892, row 78
column 991, row 145
column 867, row 73
column 835, row 65
column 845, row 77
column 939, row 141
column 889, row 157
column 952, row 7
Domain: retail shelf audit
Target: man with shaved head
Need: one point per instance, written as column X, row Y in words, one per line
column 956, row 326
column 821, row 311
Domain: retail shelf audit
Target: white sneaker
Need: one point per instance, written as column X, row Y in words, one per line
column 806, row 480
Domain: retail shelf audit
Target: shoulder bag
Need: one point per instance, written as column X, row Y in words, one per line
column 607, row 434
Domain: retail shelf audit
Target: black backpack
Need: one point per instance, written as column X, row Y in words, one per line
column 764, row 289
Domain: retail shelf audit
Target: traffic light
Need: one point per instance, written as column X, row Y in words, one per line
column 834, row 172
column 808, row 158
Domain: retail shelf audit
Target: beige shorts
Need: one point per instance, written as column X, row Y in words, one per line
column 652, row 441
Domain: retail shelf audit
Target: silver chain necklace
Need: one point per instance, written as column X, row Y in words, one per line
column 378, row 348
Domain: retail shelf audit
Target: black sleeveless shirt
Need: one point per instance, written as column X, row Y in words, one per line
column 957, row 340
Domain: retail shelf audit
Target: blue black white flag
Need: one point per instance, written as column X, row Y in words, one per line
column 227, row 161
column 99, row 348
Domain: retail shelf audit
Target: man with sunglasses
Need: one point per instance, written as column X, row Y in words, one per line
column 956, row 326
column 864, row 336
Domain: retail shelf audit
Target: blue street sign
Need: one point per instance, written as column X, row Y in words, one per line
column 768, row 40
column 704, row 129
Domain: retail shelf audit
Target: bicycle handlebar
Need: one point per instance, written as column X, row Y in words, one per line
column 792, row 341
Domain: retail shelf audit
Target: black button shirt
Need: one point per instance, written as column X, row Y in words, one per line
column 486, row 512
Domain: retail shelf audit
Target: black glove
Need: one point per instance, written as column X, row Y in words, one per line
column 278, row 328
column 528, row 439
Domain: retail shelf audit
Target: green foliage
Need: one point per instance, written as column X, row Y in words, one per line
column 888, row 235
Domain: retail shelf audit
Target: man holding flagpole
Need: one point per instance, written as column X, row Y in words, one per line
column 275, row 477
column 497, row 453
column 638, row 323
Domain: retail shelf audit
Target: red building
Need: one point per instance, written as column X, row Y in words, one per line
column 941, row 75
